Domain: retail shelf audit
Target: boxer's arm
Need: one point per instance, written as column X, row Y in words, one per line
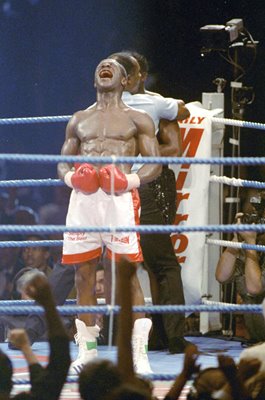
column 148, row 147
column 70, row 147
column 169, row 138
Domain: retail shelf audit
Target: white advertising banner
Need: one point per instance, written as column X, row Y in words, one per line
column 192, row 184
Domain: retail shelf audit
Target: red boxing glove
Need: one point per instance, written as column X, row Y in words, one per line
column 122, row 182
column 85, row 178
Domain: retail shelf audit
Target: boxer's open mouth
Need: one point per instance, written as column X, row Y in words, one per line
column 105, row 73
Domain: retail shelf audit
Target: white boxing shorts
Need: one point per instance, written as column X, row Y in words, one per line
column 100, row 209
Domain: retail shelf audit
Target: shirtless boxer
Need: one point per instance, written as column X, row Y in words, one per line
column 106, row 128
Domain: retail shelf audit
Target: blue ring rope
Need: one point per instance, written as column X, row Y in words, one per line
column 8, row 303
column 57, row 243
column 225, row 243
column 65, row 118
column 59, row 182
column 130, row 160
column 34, row 120
column 31, row 243
column 48, row 229
column 32, row 182
column 236, row 122
column 235, row 182
column 155, row 309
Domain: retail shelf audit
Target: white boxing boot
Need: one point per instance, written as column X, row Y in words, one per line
column 140, row 337
column 86, row 339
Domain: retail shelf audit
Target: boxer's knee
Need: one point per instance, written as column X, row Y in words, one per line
column 85, row 276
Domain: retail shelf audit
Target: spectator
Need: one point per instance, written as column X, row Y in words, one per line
column 61, row 281
column 228, row 381
column 34, row 258
column 54, row 213
column 246, row 268
column 189, row 368
column 101, row 320
column 25, row 216
column 8, row 322
column 7, row 206
column 6, row 369
column 252, row 359
column 10, row 264
column 130, row 392
column 97, row 379
column 100, row 290
column 37, row 256
column 53, row 376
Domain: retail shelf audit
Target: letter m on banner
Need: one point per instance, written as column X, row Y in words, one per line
column 192, row 185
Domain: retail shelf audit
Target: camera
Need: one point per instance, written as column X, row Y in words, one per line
column 252, row 219
column 220, row 37
column 258, row 203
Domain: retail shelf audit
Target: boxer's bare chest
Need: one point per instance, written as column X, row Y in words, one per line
column 101, row 125
column 107, row 132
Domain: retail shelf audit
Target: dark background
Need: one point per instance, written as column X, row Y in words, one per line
column 49, row 50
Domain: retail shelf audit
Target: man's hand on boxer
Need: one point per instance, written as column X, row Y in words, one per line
column 85, row 178
column 122, row 182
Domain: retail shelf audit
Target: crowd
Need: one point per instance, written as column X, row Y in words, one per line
column 15, row 261
column 103, row 380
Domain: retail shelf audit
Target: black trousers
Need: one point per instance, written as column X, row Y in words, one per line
column 160, row 258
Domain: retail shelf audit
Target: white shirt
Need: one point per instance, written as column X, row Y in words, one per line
column 157, row 107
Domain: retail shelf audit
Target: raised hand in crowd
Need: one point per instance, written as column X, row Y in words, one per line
column 248, row 367
column 235, row 386
column 46, row 382
column 19, row 339
column 189, row 368
column 125, row 273
column 53, row 376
